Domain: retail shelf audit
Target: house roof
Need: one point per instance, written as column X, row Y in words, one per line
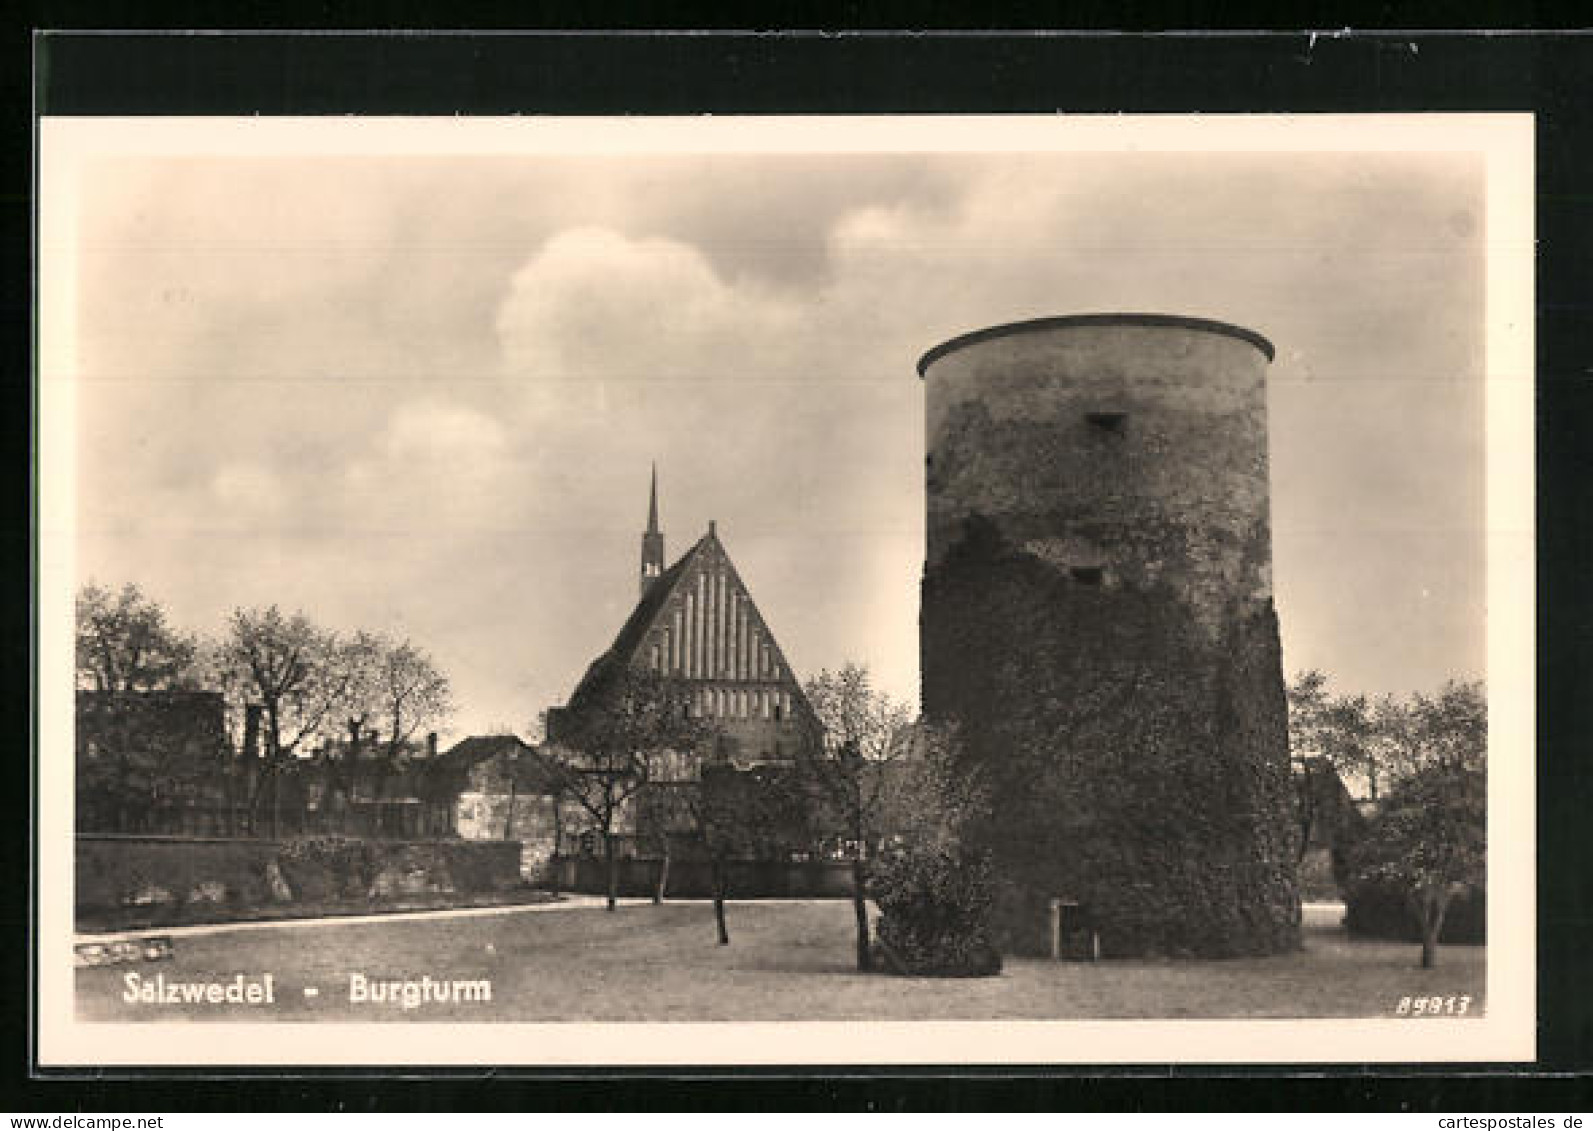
column 478, row 747
column 641, row 618
column 465, row 755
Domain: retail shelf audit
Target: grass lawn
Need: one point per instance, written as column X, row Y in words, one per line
column 786, row 961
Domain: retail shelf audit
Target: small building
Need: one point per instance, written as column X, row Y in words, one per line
column 355, row 786
column 503, row 789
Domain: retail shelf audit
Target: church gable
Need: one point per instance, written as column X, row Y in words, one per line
column 698, row 623
column 707, row 628
column 697, row 626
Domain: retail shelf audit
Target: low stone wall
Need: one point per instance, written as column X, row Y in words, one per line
column 693, row 879
column 182, row 878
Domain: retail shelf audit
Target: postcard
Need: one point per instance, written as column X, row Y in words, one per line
column 763, row 591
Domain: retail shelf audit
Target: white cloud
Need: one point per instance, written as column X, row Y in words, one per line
column 434, row 430
column 249, row 492
column 594, row 305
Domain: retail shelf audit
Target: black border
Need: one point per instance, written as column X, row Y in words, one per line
column 882, row 72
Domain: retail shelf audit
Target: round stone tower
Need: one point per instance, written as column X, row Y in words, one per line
column 1097, row 620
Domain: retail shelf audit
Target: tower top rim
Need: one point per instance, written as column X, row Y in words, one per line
column 1065, row 321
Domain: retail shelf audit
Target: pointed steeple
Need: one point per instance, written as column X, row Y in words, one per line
column 652, row 539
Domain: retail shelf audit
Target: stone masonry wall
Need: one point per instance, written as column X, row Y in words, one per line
column 1097, row 617
column 121, row 879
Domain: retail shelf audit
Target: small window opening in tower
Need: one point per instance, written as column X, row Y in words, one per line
column 1107, row 421
column 1087, row 575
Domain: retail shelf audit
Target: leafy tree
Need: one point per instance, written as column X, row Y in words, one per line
column 1428, row 838
column 1334, row 737
column 861, row 734
column 1389, row 739
column 935, row 890
column 610, row 745
column 124, row 643
column 1340, row 728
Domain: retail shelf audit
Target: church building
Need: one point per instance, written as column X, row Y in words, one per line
column 696, row 622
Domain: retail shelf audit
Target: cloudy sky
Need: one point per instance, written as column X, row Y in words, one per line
column 423, row 394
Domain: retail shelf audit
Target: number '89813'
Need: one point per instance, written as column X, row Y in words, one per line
column 1455, row 1005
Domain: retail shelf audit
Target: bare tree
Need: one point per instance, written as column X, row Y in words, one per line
column 760, row 813
column 291, row 668
column 410, row 695
column 124, row 643
column 358, row 659
column 862, row 732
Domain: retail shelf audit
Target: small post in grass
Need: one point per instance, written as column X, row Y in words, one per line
column 1056, row 930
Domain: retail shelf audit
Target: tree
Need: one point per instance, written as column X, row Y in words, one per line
column 124, row 643
column 935, row 798
column 861, row 734
column 1429, row 837
column 135, row 748
column 138, row 753
column 1343, row 729
column 760, row 813
column 1389, row 735
column 410, row 693
column 610, row 745
column 934, row 889
column 359, row 659
column 295, row 671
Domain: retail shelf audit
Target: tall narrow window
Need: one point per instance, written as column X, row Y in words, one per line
column 688, row 646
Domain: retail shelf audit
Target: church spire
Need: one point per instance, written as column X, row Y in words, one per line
column 652, row 504
column 652, row 539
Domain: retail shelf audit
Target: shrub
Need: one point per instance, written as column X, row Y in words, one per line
column 935, row 905
column 482, row 865
column 328, row 867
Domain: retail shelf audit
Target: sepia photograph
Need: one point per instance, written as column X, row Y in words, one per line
column 881, row 590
